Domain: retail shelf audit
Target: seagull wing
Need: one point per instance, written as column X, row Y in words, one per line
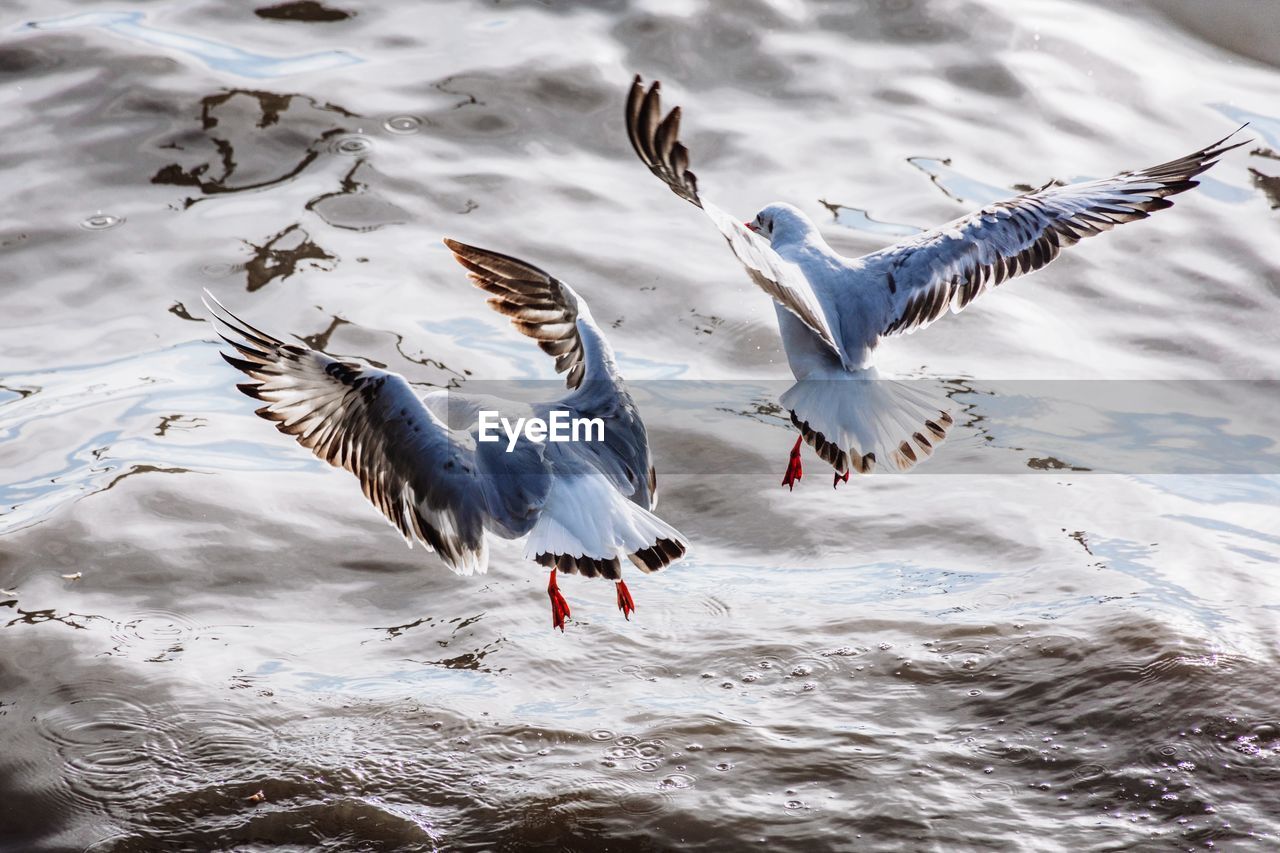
column 656, row 141
column 540, row 306
column 949, row 267
column 552, row 313
column 371, row 423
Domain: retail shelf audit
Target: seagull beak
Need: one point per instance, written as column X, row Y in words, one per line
column 751, row 226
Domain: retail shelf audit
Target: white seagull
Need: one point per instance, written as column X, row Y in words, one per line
column 834, row 311
column 582, row 504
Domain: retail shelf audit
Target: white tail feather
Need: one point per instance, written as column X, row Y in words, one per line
column 858, row 421
column 585, row 516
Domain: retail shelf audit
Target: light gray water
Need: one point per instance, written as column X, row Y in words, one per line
column 1044, row 660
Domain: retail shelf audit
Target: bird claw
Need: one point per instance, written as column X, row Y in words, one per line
column 795, row 470
column 559, row 607
column 625, row 602
column 840, row 478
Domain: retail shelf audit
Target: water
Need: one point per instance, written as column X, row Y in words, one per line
column 208, row 640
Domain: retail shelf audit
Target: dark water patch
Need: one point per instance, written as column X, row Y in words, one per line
column 308, row 11
column 250, row 140
column 284, row 254
column 1270, row 186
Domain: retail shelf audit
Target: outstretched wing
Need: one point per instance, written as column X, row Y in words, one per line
column 951, row 266
column 549, row 311
column 540, row 306
column 656, row 141
column 371, row 423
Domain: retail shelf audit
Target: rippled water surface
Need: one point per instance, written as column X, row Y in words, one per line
column 208, row 641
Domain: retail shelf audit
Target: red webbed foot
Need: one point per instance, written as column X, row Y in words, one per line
column 625, row 602
column 559, row 607
column 840, row 478
column 794, row 469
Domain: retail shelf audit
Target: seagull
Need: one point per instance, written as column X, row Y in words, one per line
column 833, row 312
column 426, row 465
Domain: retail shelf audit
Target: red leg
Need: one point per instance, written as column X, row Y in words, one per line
column 840, row 478
column 625, row 602
column 794, row 469
column 559, row 607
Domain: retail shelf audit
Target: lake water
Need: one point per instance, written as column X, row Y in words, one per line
column 209, row 641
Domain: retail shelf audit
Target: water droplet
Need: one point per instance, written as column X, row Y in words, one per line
column 694, row 747
column 620, row 752
column 544, row 751
column 352, row 146
column 750, row 677
column 809, row 687
column 646, row 766
column 643, row 802
column 884, row 647
column 101, row 222
column 649, row 749
column 677, row 780
column 627, row 740
column 724, row 766
column 404, row 124
column 802, row 670
column 794, row 805
column 993, row 791
column 217, row 270
column 602, row 734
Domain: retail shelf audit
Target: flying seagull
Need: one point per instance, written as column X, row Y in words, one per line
column 833, row 312
column 422, row 462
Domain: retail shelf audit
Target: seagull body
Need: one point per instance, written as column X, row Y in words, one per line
column 582, row 504
column 833, row 312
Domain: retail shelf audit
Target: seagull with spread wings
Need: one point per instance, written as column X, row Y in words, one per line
column 833, row 312
column 582, row 504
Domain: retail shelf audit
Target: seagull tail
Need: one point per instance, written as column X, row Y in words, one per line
column 854, row 421
column 661, row 543
column 586, row 526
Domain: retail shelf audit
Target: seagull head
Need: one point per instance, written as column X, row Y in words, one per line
column 782, row 223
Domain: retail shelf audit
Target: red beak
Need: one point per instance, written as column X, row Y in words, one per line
column 751, row 226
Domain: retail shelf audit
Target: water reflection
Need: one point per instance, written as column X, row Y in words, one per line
column 958, row 186
column 284, row 253
column 861, row 220
column 214, row 54
column 252, row 140
column 309, row 11
column 355, row 207
column 1269, row 184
